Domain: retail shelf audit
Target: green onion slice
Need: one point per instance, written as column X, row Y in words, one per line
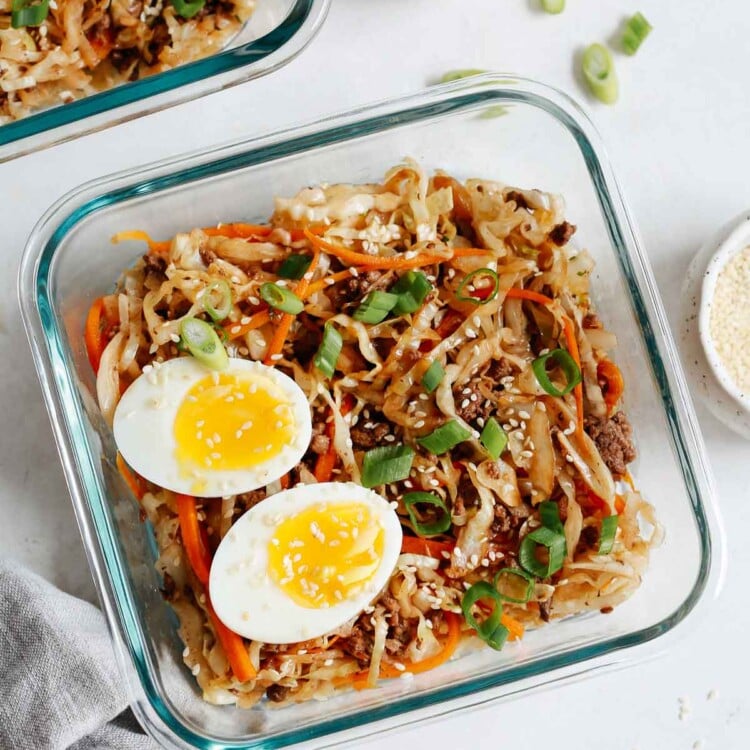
column 607, row 534
column 636, row 30
column 493, row 438
column 203, row 343
column 412, row 289
column 444, row 438
column 553, row 6
column 28, row 13
column 549, row 515
column 478, row 295
column 514, row 585
column 496, row 110
column 328, row 353
column 281, row 298
column 390, row 463
column 489, row 630
column 375, row 307
column 217, row 300
column 457, row 75
column 555, row 546
column 443, row 523
column 186, row 9
column 599, row 72
column 433, row 376
column 294, row 266
column 566, row 363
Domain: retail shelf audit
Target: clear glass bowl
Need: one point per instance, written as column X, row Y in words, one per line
column 542, row 140
column 275, row 34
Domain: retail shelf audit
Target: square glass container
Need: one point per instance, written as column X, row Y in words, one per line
column 274, row 35
column 542, row 139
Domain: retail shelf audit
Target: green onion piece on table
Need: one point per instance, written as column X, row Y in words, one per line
column 294, row 266
column 489, row 630
column 599, row 72
column 375, row 307
column 217, row 300
column 636, row 30
column 202, row 341
column 566, row 363
column 187, row 10
column 514, row 585
column 553, row 542
column 553, row 6
column 390, row 463
column 412, row 289
column 469, row 290
column 281, row 298
column 328, row 352
column 607, row 534
column 442, row 524
column 445, row 437
column 457, row 75
column 28, row 13
column 493, row 438
column 433, row 376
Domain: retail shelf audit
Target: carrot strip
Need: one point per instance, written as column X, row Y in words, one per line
column 258, row 320
column 516, row 293
column 467, row 252
column 619, row 503
column 326, row 462
column 234, row 647
column 608, row 374
column 198, row 555
column 139, row 235
column 92, row 333
column 416, row 545
column 133, row 480
column 515, row 627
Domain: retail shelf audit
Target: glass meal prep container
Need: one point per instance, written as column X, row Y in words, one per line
column 276, row 33
column 541, row 139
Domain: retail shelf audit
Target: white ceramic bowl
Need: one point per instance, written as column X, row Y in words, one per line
column 706, row 369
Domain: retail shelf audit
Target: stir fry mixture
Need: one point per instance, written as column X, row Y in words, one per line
column 443, row 339
column 55, row 51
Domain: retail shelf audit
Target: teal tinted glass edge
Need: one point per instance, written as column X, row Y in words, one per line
column 160, row 83
column 295, row 145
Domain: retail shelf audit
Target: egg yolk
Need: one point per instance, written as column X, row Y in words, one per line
column 230, row 421
column 326, row 553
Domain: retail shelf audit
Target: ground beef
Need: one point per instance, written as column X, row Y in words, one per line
column 369, row 435
column 399, row 629
column 320, row 442
column 470, row 403
column 499, row 369
column 208, row 256
column 545, row 610
column 277, row 693
column 155, row 264
column 169, row 588
column 248, row 499
column 562, row 233
column 614, row 439
column 307, row 339
column 359, row 644
column 591, row 320
column 354, row 289
column 507, row 520
column 589, row 539
column 466, row 494
column 517, row 198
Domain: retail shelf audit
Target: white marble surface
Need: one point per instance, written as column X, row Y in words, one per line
column 678, row 139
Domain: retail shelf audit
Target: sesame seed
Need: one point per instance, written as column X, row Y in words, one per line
column 419, row 424
column 235, row 329
column 465, row 403
column 196, row 670
column 245, row 320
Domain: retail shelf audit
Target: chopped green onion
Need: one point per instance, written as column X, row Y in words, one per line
column 493, row 438
column 496, row 110
column 443, row 523
column 294, row 266
column 375, row 307
column 217, row 300
column 444, row 438
column 549, row 515
column 566, row 363
column 607, row 534
column 478, row 295
column 433, row 376
column 203, row 343
column 553, row 6
column 507, row 581
column 457, row 75
column 281, row 298
column 390, row 463
column 490, row 630
column 412, row 289
column 636, row 30
column 28, row 13
column 599, row 72
column 328, row 353
column 555, row 546
column 186, row 9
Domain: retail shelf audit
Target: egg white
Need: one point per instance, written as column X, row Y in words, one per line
column 245, row 596
column 144, row 429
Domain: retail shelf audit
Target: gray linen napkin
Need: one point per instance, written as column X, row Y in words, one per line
column 59, row 683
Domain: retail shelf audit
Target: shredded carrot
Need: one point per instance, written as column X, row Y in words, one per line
column 234, row 647
column 515, row 627
column 629, row 479
column 257, row 320
column 416, row 545
column 158, row 248
column 282, row 329
column 516, row 293
column 198, row 555
column 467, row 252
column 93, row 333
column 326, row 462
column 285, row 481
column 619, row 503
column 134, row 481
column 610, row 378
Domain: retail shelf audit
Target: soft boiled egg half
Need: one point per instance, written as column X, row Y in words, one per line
column 206, row 433
column 304, row 562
